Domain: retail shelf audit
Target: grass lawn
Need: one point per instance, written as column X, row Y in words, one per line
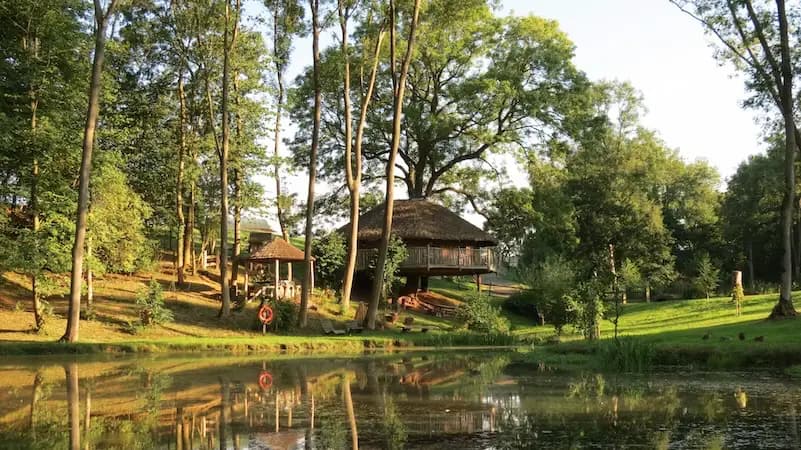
column 196, row 326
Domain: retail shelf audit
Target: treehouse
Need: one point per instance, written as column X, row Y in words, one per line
column 438, row 242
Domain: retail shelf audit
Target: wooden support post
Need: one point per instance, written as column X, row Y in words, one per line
column 311, row 272
column 277, row 277
column 428, row 257
column 478, row 282
column 289, row 270
column 247, row 282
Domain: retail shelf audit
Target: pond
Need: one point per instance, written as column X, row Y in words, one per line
column 442, row 400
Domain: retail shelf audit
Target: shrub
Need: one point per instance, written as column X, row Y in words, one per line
column 585, row 307
column 330, row 254
column 737, row 297
column 708, row 277
column 285, row 315
column 479, row 315
column 524, row 303
column 396, row 254
column 626, row 355
column 553, row 281
column 150, row 301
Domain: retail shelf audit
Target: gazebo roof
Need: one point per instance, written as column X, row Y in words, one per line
column 276, row 249
column 421, row 220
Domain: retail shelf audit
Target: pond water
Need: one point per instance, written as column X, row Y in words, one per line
column 417, row 400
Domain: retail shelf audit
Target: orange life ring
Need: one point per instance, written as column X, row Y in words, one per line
column 265, row 380
column 266, row 314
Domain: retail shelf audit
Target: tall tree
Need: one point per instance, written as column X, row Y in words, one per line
column 229, row 42
column 287, row 17
column 398, row 89
column 353, row 151
column 102, row 18
column 42, row 82
column 314, row 5
column 757, row 39
column 477, row 84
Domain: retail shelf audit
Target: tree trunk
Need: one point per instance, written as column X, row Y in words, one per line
column 307, row 247
column 784, row 307
column 398, row 91
column 74, row 309
column 353, row 172
column 647, row 292
column 225, row 307
column 238, row 179
column 751, row 280
column 237, row 227
column 90, row 284
column 179, row 185
column 38, row 318
column 189, row 228
column 797, row 243
column 276, row 141
column 350, row 177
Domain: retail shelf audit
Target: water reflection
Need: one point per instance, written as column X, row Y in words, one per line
column 389, row 402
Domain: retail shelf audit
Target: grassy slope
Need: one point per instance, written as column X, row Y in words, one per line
column 677, row 325
column 196, row 326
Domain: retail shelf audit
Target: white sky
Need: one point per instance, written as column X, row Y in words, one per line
column 692, row 101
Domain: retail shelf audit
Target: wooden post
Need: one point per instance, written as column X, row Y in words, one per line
column 277, row 277
column 478, row 282
column 428, row 257
column 247, row 281
column 289, row 270
column 311, row 273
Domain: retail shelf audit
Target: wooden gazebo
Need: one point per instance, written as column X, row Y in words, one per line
column 266, row 249
column 439, row 242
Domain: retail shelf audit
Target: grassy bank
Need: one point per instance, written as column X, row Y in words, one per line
column 698, row 332
column 196, row 327
column 271, row 343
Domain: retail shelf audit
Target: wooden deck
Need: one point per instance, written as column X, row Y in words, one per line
column 438, row 260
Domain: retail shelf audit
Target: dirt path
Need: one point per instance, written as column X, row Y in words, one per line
column 499, row 286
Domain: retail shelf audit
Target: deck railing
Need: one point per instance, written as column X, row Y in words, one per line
column 437, row 258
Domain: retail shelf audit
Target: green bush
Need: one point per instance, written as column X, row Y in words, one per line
column 329, row 254
column 479, row 315
column 285, row 315
column 585, row 306
column 626, row 355
column 553, row 282
column 524, row 303
column 150, row 301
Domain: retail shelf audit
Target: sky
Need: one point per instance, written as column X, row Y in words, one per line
column 693, row 102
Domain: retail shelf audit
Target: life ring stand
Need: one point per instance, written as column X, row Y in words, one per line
column 265, row 380
column 266, row 315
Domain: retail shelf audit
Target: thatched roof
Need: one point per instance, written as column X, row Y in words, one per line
column 277, row 248
column 420, row 220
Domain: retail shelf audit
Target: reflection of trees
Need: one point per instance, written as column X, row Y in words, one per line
column 73, row 407
column 380, row 403
column 348, row 399
column 392, row 427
